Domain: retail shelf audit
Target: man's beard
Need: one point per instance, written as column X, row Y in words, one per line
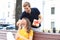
column 28, row 11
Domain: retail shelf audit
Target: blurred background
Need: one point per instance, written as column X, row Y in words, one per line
column 7, row 14
column 10, row 11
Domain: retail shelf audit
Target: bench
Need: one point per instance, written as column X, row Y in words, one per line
column 46, row 36
column 37, row 35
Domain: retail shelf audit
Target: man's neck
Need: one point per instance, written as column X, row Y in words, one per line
column 30, row 11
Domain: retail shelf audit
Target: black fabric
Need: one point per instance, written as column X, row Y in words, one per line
column 31, row 16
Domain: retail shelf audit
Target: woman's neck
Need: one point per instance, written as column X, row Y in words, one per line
column 25, row 28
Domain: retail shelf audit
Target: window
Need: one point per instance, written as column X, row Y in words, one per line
column 8, row 13
column 8, row 4
column 52, row 10
column 52, row 24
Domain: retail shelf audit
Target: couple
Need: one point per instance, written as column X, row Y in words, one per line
column 29, row 15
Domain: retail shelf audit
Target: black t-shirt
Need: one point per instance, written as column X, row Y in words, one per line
column 31, row 16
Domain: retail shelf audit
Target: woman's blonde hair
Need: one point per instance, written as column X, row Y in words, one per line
column 28, row 24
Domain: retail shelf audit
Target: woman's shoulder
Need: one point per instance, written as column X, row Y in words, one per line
column 31, row 33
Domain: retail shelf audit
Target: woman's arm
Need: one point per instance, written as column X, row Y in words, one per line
column 30, row 38
column 19, row 36
column 31, row 35
column 16, row 36
column 22, row 37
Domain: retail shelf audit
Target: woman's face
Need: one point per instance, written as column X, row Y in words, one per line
column 24, row 23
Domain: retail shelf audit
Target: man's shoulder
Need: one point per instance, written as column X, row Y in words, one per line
column 24, row 12
column 34, row 8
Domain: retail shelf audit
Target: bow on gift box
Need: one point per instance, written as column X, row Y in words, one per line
column 36, row 22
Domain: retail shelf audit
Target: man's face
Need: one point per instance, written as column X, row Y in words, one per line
column 27, row 9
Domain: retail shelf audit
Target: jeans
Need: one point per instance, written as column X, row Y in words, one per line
column 36, row 29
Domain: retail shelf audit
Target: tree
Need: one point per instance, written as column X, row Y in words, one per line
column 18, row 10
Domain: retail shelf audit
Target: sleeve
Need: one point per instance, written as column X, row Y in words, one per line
column 22, row 15
column 37, row 11
column 31, row 33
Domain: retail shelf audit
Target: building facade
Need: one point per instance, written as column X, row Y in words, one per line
column 50, row 12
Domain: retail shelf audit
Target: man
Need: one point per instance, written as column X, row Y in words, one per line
column 32, row 14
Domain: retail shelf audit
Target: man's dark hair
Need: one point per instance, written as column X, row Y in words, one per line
column 26, row 4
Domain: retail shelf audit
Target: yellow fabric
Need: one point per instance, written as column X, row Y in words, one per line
column 23, row 33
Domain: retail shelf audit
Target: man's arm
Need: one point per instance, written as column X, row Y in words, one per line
column 40, row 18
column 18, row 22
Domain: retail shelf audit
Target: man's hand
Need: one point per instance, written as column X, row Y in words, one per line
column 18, row 23
column 40, row 19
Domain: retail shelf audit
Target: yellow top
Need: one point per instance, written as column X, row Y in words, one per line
column 23, row 33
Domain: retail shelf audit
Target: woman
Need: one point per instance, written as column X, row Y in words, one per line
column 24, row 32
